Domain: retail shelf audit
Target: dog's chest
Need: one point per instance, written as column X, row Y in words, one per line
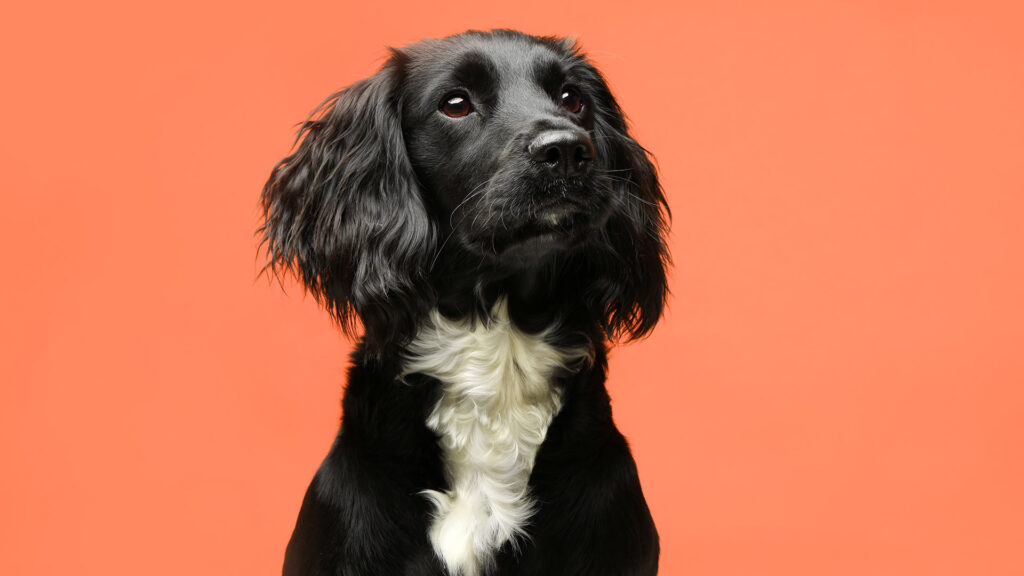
column 497, row 400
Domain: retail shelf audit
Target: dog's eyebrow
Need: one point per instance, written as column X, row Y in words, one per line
column 549, row 74
column 476, row 71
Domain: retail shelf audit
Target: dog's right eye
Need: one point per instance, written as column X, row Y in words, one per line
column 456, row 105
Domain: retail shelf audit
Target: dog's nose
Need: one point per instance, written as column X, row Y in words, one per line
column 562, row 152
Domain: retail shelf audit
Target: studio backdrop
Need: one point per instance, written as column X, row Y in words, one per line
column 837, row 387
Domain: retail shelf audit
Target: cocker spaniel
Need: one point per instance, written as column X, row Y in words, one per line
column 479, row 207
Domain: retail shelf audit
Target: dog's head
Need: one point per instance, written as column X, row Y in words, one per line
column 482, row 165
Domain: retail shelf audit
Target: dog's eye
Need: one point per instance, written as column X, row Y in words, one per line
column 456, row 105
column 571, row 100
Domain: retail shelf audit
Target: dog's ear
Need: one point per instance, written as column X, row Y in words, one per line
column 344, row 212
column 631, row 285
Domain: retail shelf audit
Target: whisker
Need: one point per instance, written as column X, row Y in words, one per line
column 475, row 192
column 439, row 250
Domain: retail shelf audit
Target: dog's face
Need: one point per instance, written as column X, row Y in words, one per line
column 479, row 165
column 499, row 131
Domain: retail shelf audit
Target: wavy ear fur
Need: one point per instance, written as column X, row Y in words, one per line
column 631, row 285
column 344, row 212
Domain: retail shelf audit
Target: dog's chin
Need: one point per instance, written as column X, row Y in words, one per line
column 531, row 251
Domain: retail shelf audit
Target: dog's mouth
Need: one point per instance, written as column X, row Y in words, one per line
column 550, row 229
column 557, row 217
column 527, row 222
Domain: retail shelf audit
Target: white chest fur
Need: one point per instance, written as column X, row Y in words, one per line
column 497, row 401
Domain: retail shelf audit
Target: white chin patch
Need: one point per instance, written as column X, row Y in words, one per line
column 497, row 402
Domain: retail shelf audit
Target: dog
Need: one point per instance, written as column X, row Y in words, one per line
column 480, row 209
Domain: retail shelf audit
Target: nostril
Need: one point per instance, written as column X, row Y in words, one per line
column 583, row 154
column 552, row 155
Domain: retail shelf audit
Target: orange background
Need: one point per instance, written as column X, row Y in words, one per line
column 837, row 388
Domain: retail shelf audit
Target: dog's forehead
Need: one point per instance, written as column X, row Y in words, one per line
column 500, row 57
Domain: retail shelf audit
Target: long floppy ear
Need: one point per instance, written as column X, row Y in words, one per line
column 344, row 212
column 630, row 290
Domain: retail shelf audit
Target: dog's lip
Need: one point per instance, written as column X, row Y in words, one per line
column 558, row 215
column 561, row 218
column 549, row 228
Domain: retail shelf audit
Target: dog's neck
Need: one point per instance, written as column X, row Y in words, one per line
column 534, row 298
column 498, row 397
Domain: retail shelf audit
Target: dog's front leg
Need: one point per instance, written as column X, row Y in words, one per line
column 592, row 518
column 364, row 514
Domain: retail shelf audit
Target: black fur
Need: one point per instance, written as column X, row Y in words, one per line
column 389, row 208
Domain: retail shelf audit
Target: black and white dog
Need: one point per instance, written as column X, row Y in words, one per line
column 480, row 207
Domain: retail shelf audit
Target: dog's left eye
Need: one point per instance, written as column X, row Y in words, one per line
column 571, row 100
column 456, row 105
